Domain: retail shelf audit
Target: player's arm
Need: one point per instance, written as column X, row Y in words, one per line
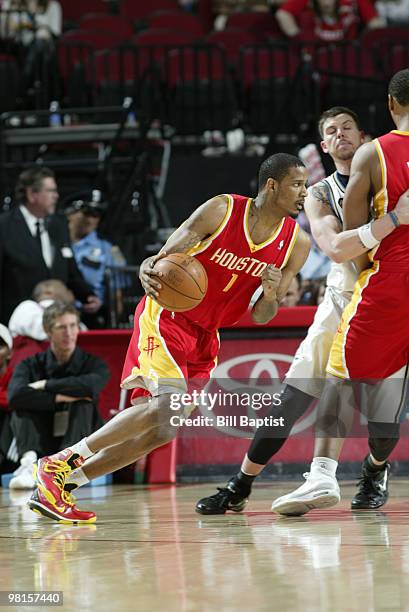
column 203, row 222
column 341, row 245
column 275, row 282
column 358, row 195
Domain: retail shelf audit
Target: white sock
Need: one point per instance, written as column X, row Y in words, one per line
column 77, row 477
column 324, row 464
column 82, row 449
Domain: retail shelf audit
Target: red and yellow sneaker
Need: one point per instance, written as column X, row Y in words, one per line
column 50, row 474
column 66, row 513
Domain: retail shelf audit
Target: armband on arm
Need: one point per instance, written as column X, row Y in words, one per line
column 394, row 218
column 366, row 236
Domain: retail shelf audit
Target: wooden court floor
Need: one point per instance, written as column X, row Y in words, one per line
column 149, row 550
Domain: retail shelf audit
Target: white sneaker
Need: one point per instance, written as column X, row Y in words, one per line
column 23, row 476
column 319, row 491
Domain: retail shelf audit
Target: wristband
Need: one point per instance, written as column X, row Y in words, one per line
column 394, row 218
column 366, row 236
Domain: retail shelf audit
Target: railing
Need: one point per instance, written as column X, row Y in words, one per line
column 123, row 291
column 265, row 89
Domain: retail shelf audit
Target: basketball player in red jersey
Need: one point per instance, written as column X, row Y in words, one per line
column 372, row 341
column 241, row 242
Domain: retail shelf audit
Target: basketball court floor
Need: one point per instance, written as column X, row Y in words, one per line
column 149, row 550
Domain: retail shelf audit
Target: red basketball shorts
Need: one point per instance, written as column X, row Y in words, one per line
column 372, row 340
column 167, row 351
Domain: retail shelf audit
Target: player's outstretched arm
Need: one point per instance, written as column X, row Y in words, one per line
column 203, row 222
column 275, row 282
column 341, row 246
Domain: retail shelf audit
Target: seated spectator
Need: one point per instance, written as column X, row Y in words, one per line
column 331, row 20
column 293, row 294
column 92, row 253
column 27, row 20
column 394, row 12
column 54, row 394
column 27, row 318
column 32, row 26
column 35, row 245
column 312, row 291
column 6, row 347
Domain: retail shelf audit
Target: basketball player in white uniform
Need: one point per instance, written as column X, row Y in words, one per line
column 341, row 137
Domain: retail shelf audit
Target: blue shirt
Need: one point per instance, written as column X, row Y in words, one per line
column 93, row 255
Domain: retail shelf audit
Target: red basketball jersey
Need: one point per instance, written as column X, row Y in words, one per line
column 393, row 153
column 234, row 264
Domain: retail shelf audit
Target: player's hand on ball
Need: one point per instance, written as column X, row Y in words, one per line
column 270, row 280
column 402, row 208
column 149, row 277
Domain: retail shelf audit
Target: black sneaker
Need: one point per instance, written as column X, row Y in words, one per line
column 373, row 489
column 228, row 498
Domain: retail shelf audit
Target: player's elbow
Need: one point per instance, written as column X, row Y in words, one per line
column 337, row 254
column 338, row 257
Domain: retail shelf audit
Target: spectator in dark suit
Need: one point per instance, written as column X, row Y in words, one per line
column 35, row 245
column 54, row 394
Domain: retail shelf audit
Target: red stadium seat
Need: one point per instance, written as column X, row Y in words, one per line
column 187, row 64
column 344, row 58
column 265, row 63
column 396, row 58
column 136, row 10
column 72, row 10
column 348, row 74
column 76, row 50
column 127, row 71
column 177, row 21
column 266, row 77
column 163, row 37
column 109, row 23
column 10, row 82
column 97, row 39
column 371, row 39
column 231, row 41
column 262, row 25
column 243, row 20
column 200, row 91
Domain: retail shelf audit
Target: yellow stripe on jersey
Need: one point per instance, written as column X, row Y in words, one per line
column 204, row 244
column 337, row 363
column 381, row 198
column 257, row 247
column 292, row 245
column 156, row 364
column 400, row 132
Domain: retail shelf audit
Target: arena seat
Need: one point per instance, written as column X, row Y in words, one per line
column 179, row 21
column 107, row 23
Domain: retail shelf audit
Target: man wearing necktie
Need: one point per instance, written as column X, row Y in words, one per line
column 35, row 245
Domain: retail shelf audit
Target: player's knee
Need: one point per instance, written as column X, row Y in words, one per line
column 164, row 433
column 164, row 427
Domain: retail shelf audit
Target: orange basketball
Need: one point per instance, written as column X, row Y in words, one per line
column 184, row 282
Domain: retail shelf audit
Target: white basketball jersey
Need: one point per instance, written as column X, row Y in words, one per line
column 341, row 277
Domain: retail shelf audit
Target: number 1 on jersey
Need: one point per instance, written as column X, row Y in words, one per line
column 231, row 282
